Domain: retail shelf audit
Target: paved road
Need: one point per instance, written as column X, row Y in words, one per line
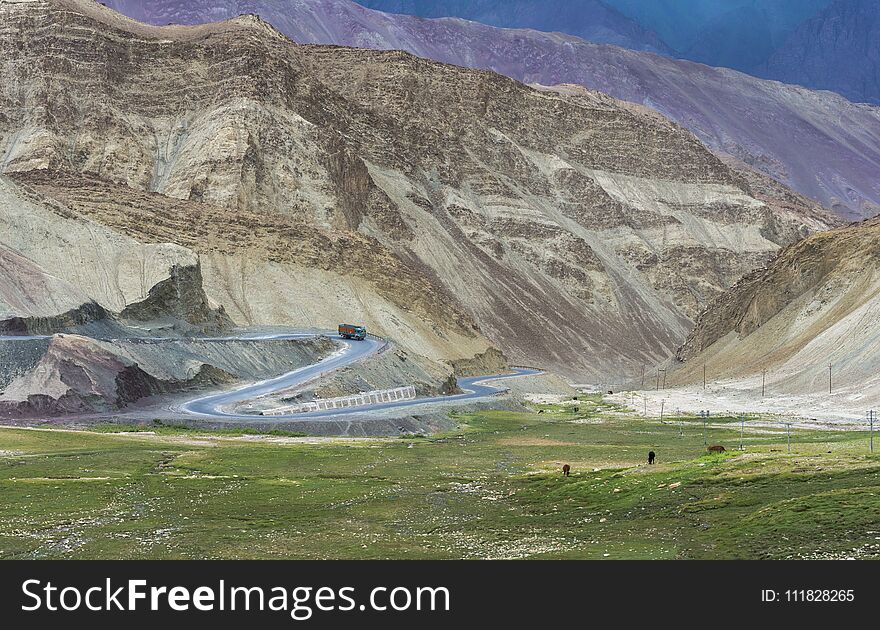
column 252, row 336
column 472, row 388
column 213, row 405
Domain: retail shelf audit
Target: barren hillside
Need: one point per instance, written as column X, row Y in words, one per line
column 817, row 143
column 448, row 208
column 817, row 305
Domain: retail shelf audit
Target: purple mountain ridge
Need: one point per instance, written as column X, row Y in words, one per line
column 838, row 50
column 592, row 20
column 817, row 143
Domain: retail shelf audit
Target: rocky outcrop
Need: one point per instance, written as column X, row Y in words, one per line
column 180, row 299
column 490, row 362
column 76, row 376
column 76, row 287
column 54, row 261
column 447, row 208
column 49, row 324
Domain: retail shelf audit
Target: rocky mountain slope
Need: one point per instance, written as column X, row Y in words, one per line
column 817, row 143
column 838, row 50
column 816, row 305
column 61, row 272
column 447, row 208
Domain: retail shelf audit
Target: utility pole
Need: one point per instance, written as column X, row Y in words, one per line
column 788, row 430
column 871, row 416
column 659, row 372
column 680, row 427
column 662, row 405
column 705, row 416
column 742, row 427
column 704, row 377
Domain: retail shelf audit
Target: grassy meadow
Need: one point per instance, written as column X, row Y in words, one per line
column 491, row 489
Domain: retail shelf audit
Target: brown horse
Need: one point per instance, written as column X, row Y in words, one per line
column 566, row 469
column 717, row 448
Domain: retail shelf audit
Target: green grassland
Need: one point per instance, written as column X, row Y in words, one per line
column 491, row 489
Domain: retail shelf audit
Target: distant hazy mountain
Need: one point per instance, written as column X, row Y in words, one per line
column 826, row 44
column 838, row 50
column 739, row 34
column 733, row 33
column 592, row 20
column 817, row 143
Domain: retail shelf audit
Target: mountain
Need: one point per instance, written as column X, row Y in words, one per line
column 592, row 20
column 742, row 39
column 816, row 143
column 838, row 50
column 738, row 34
column 815, row 305
column 450, row 209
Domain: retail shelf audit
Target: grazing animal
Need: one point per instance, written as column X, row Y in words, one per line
column 566, row 469
column 651, row 457
column 716, row 449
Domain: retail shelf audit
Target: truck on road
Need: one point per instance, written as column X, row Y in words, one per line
column 348, row 331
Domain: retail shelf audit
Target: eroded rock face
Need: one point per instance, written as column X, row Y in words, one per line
column 817, row 143
column 76, row 375
column 106, row 269
column 446, row 205
column 55, row 261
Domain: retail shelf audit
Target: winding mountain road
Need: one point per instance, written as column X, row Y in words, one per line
column 214, row 405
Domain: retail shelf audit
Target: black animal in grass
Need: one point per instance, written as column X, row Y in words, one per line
column 651, row 457
column 566, row 469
